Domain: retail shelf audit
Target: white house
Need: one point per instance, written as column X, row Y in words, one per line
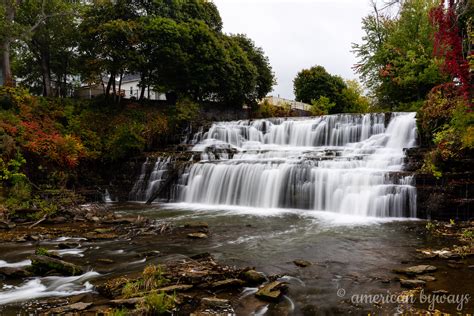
column 131, row 89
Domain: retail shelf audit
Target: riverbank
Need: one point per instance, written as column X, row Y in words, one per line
column 130, row 261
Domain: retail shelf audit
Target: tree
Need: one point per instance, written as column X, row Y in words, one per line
column 395, row 59
column 50, row 44
column 453, row 40
column 355, row 101
column 109, row 38
column 311, row 84
column 265, row 76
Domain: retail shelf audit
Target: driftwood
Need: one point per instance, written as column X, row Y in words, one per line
column 171, row 177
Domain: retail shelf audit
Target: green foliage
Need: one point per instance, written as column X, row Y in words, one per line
column 266, row 109
column 467, row 234
column 153, row 277
column 159, row 303
column 396, row 56
column 41, row 251
column 321, row 106
column 125, row 140
column 430, row 226
column 119, row 312
column 311, row 84
column 131, row 289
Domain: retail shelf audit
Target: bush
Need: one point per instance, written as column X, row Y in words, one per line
column 321, row 106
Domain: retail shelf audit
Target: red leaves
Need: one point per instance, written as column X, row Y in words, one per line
column 448, row 43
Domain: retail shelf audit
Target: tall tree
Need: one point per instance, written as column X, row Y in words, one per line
column 50, row 40
column 311, row 84
column 395, row 59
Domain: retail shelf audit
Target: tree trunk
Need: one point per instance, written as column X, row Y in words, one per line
column 120, row 88
column 142, row 83
column 5, row 46
column 46, row 74
column 109, row 84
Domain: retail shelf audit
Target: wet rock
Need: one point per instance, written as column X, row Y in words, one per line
column 228, row 283
column 446, row 254
column 302, row 263
column 471, row 267
column 175, row 288
column 77, row 307
column 253, row 277
column 95, row 219
column 127, row 302
column 196, row 225
column 214, row 302
column 14, row 272
column 412, row 283
column 105, row 260
column 272, row 291
column 197, row 236
column 43, row 265
column 426, row 278
column 420, row 269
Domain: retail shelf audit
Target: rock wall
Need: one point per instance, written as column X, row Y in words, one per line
column 445, row 198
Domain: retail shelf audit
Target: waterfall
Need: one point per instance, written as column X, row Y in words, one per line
column 345, row 163
column 153, row 173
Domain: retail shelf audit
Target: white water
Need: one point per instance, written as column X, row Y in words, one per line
column 344, row 164
column 20, row 264
column 47, row 287
column 149, row 181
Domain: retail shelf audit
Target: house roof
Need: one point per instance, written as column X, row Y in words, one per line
column 130, row 77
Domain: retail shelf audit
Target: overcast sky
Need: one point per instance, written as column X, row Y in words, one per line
column 297, row 34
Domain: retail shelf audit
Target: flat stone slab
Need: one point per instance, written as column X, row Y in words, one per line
column 77, row 307
column 197, row 236
column 214, row 302
column 426, row 278
column 271, row 291
column 412, row 283
column 420, row 269
column 177, row 288
column 228, row 283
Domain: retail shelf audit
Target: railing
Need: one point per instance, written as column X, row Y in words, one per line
column 276, row 101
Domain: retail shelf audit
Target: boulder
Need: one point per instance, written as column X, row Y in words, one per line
column 253, row 277
column 272, row 291
column 43, row 265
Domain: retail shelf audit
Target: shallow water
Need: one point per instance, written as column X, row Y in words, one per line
column 356, row 254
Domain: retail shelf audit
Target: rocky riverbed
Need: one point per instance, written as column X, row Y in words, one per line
column 103, row 260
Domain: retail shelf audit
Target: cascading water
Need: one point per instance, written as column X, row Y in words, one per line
column 152, row 174
column 347, row 163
